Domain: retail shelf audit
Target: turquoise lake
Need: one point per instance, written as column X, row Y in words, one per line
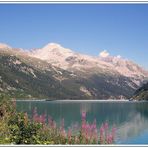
column 129, row 118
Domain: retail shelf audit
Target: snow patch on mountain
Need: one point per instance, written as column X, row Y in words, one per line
column 50, row 51
column 53, row 53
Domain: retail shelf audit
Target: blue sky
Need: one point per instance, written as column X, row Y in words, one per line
column 121, row 29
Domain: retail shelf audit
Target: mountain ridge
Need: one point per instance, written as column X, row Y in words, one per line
column 75, row 75
column 68, row 57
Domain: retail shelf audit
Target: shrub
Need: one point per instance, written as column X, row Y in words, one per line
column 7, row 109
column 4, row 131
column 23, row 131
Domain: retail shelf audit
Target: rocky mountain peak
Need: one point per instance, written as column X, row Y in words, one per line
column 52, row 47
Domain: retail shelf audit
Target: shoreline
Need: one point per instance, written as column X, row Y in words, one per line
column 68, row 100
column 46, row 100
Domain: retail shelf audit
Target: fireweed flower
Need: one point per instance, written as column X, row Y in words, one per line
column 43, row 118
column 109, row 139
column 96, row 135
column 83, row 115
column 62, row 124
column 102, row 134
column 89, row 132
column 62, row 129
column 94, row 124
column 106, row 126
column 69, row 135
column 51, row 123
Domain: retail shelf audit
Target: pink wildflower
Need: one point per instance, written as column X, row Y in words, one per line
column 106, row 126
column 94, row 124
column 69, row 135
column 62, row 130
column 109, row 139
column 42, row 118
column 83, row 115
column 102, row 134
column 62, row 124
column 54, row 124
column 51, row 122
column 95, row 136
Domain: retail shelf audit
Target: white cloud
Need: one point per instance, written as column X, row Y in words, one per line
column 119, row 56
column 104, row 54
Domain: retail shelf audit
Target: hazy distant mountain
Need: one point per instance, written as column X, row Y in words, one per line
column 59, row 73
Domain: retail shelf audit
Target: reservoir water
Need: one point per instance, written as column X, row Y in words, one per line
column 129, row 118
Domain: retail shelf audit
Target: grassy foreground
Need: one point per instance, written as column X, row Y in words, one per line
column 18, row 128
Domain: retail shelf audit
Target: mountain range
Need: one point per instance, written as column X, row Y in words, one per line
column 55, row 72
